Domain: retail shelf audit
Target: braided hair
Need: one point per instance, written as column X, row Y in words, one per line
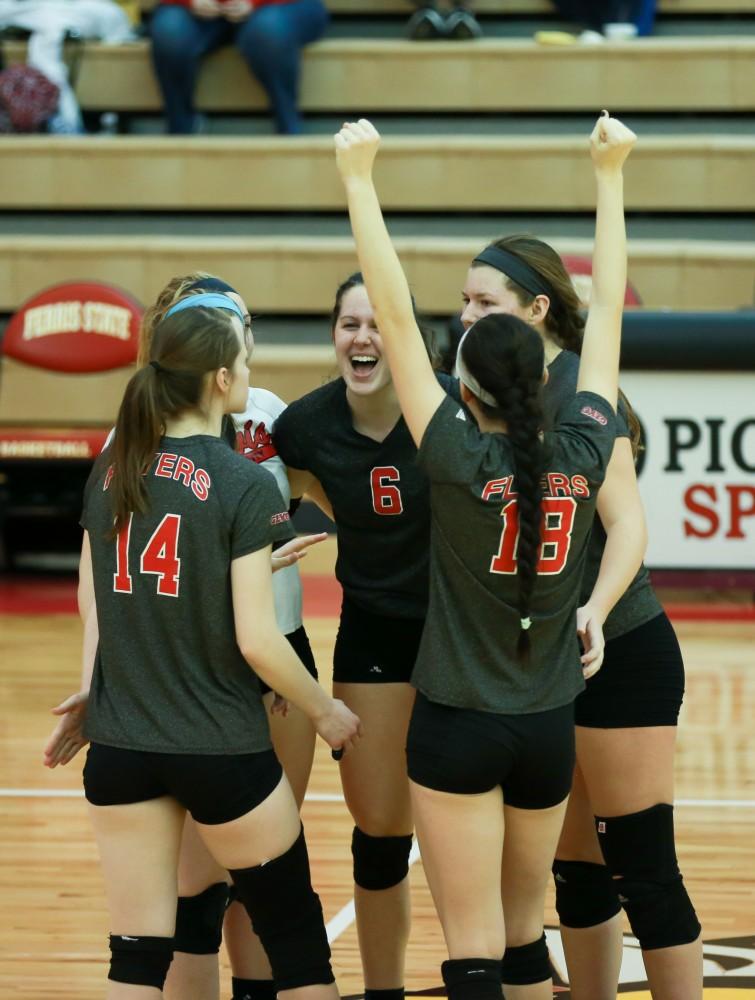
column 506, row 356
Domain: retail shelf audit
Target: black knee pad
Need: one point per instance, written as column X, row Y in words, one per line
column 199, row 921
column 287, row 916
column 140, row 961
column 585, row 893
column 472, row 978
column 526, row 963
column 640, row 854
column 380, row 862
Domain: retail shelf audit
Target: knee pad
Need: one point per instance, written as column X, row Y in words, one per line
column 199, row 921
column 640, row 854
column 472, row 978
column 585, row 893
column 287, row 916
column 526, row 963
column 140, row 961
column 380, row 862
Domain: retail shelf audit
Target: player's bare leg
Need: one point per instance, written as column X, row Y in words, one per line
column 376, row 789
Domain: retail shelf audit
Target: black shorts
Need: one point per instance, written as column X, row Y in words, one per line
column 375, row 649
column 214, row 788
column 299, row 641
column 641, row 682
column 468, row 752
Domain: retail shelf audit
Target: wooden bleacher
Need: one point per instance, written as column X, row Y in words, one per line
column 490, row 75
column 291, row 275
column 430, row 173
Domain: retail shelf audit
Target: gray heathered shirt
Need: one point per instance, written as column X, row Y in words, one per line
column 638, row 604
column 467, row 656
column 169, row 676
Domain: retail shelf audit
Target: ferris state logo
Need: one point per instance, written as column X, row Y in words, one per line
column 728, row 971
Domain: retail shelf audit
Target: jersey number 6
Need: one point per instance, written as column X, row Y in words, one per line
column 386, row 498
column 160, row 557
column 555, row 534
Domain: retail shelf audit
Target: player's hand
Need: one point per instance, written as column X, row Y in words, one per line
column 294, row 550
column 611, row 143
column 237, row 10
column 590, row 632
column 68, row 736
column 206, row 9
column 356, row 146
column 339, row 727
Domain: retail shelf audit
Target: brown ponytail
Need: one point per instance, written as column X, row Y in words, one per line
column 185, row 347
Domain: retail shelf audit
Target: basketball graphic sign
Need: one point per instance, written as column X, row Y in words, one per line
column 76, row 327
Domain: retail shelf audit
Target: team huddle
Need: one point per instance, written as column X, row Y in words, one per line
column 505, row 681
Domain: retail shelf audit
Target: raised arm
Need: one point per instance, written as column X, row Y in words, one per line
column 610, row 144
column 416, row 385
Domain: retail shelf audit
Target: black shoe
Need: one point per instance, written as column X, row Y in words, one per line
column 462, row 25
column 426, row 25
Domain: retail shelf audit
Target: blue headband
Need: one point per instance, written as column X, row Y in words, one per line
column 210, row 300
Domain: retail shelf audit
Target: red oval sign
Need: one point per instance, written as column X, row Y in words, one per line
column 76, row 327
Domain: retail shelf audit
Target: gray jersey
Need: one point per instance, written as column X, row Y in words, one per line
column 169, row 675
column 467, row 657
column 638, row 604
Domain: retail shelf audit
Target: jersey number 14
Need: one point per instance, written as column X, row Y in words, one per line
column 160, row 557
column 555, row 535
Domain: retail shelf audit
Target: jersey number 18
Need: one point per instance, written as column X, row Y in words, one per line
column 555, row 535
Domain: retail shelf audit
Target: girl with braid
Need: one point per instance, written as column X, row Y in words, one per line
column 491, row 742
column 621, row 805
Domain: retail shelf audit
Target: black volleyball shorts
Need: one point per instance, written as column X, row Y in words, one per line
column 641, row 682
column 214, row 788
column 375, row 649
column 468, row 752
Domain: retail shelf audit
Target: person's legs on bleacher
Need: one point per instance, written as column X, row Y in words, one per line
column 180, row 40
column 271, row 40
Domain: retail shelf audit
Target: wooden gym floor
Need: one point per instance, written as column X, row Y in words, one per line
column 53, row 923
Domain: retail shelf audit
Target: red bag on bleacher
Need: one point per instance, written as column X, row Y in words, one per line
column 27, row 97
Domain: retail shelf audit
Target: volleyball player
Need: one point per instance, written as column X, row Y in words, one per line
column 491, row 742
column 349, row 436
column 203, row 894
column 627, row 716
column 177, row 549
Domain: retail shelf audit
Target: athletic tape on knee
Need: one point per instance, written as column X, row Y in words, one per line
column 287, row 916
column 640, row 854
column 585, row 893
column 199, row 921
column 526, row 963
column 380, row 862
column 140, row 961
column 472, row 978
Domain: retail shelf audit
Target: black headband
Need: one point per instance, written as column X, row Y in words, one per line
column 210, row 285
column 519, row 271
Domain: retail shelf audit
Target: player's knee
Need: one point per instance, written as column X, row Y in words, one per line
column 287, row 916
column 472, row 978
column 640, row 854
column 199, row 921
column 380, row 862
column 140, row 961
column 585, row 893
column 526, row 963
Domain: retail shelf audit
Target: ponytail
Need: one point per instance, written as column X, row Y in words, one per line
column 186, row 348
column 506, row 358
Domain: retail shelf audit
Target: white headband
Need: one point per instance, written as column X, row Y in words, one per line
column 469, row 380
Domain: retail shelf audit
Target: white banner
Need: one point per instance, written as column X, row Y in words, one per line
column 698, row 471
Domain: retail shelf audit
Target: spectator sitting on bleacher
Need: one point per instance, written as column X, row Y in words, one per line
column 428, row 22
column 612, row 18
column 269, row 34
